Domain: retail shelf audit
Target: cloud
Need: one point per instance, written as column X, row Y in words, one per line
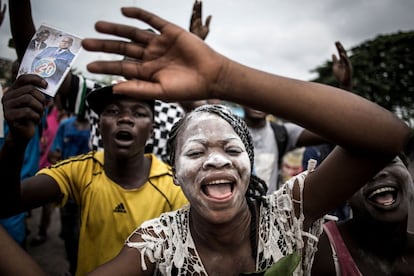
column 284, row 37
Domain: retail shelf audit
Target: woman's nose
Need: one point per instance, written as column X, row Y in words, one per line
column 216, row 160
column 382, row 174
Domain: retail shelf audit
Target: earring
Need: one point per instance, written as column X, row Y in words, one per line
column 175, row 181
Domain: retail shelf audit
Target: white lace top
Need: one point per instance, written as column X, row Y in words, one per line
column 167, row 240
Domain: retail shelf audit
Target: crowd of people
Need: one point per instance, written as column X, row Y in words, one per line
column 152, row 178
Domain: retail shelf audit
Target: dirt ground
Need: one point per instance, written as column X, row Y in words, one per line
column 51, row 254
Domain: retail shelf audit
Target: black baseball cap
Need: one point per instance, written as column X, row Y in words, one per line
column 99, row 98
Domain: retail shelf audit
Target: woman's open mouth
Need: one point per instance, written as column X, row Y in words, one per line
column 218, row 189
column 384, row 196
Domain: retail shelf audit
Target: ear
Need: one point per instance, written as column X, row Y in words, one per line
column 151, row 133
column 175, row 180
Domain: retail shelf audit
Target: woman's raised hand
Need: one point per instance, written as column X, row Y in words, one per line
column 171, row 65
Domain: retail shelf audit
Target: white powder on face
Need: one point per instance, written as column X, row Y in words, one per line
column 204, row 130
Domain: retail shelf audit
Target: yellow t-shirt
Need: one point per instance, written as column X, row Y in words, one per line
column 110, row 213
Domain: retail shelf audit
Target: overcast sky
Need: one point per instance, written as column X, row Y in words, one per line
column 283, row 37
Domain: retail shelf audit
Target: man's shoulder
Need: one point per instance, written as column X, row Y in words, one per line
column 69, row 52
column 158, row 167
column 82, row 159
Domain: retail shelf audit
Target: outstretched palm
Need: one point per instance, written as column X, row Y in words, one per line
column 171, row 65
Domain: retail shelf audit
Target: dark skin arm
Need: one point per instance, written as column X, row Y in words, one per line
column 2, row 13
column 117, row 265
column 11, row 253
column 23, row 106
column 21, row 25
column 308, row 138
column 200, row 30
column 204, row 73
column 342, row 70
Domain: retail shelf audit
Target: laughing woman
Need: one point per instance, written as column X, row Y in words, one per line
column 231, row 227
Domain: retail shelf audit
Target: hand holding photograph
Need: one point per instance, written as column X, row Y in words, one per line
column 50, row 54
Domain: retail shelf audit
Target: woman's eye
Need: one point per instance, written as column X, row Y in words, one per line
column 194, row 153
column 233, row 151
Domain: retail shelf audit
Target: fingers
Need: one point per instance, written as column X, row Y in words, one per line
column 334, row 59
column 124, row 48
column 27, row 85
column 208, row 20
column 23, row 117
column 145, row 16
column 27, row 79
column 338, row 45
column 340, row 48
column 140, row 89
column 346, row 61
column 2, row 13
column 108, row 67
column 126, row 31
column 23, row 101
column 127, row 68
column 196, row 12
column 198, row 8
column 196, row 16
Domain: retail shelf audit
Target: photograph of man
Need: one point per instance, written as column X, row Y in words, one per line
column 38, row 43
column 52, row 62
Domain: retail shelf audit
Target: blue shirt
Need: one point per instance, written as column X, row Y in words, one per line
column 69, row 140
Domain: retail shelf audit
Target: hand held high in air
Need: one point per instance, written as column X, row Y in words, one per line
column 23, row 106
column 196, row 21
column 173, row 65
column 176, row 65
column 342, row 67
column 3, row 12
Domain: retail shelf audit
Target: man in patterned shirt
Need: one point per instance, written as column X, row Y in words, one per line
column 165, row 115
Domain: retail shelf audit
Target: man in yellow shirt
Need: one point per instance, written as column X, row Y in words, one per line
column 116, row 189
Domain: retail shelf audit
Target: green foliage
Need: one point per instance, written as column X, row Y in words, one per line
column 284, row 267
column 383, row 72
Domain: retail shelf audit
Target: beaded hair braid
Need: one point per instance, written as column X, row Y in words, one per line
column 257, row 187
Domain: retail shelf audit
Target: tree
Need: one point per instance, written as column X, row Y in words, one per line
column 383, row 72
